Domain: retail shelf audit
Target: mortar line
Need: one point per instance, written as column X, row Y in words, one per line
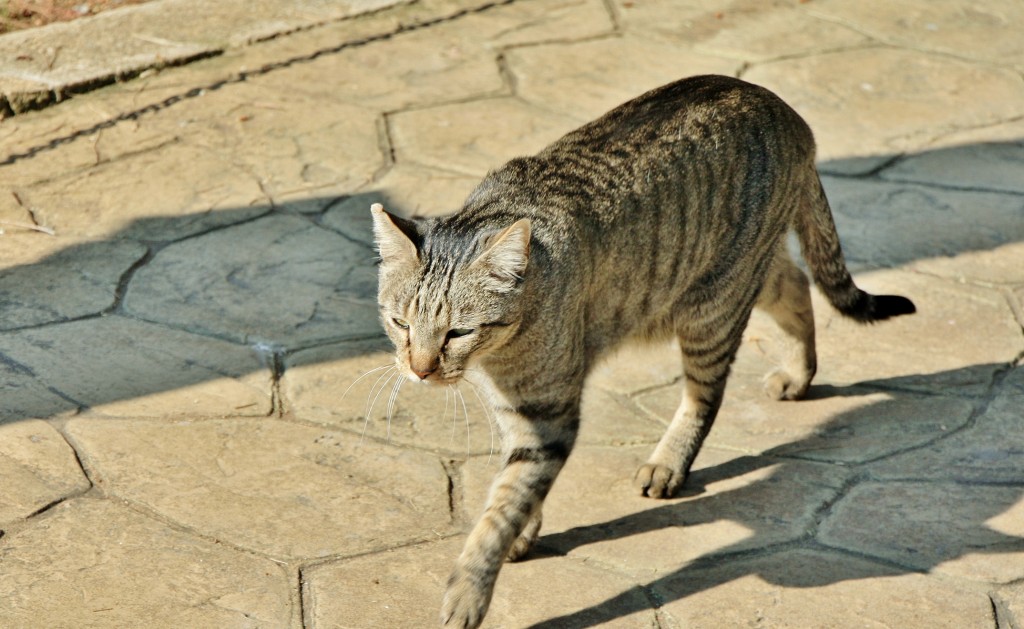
column 305, row 614
column 888, row 42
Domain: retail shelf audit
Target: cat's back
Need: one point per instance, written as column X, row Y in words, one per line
column 704, row 106
column 682, row 139
column 695, row 127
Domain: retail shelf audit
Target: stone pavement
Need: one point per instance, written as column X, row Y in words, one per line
column 187, row 292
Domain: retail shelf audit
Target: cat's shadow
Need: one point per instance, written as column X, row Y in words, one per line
column 772, row 560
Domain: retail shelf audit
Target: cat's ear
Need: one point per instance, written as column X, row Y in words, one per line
column 506, row 256
column 396, row 237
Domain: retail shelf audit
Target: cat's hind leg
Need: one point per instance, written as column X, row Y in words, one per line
column 786, row 297
column 708, row 351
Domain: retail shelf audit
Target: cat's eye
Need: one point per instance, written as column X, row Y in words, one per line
column 455, row 333
column 402, row 323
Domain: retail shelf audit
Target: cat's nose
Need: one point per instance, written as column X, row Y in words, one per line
column 422, row 374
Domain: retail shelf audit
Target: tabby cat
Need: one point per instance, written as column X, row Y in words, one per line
column 665, row 218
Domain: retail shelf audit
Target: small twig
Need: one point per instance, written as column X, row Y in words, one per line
column 37, row 228
column 53, row 57
column 160, row 41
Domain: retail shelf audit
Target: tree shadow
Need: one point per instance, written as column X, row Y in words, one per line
column 173, row 302
column 909, row 512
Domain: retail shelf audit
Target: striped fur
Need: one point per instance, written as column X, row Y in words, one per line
column 665, row 218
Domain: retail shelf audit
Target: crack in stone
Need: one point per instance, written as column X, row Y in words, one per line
column 872, row 174
column 826, row 507
column 387, row 147
column 890, row 42
column 882, row 561
column 43, row 99
column 613, row 15
column 121, row 289
column 456, row 502
column 995, row 611
column 277, row 369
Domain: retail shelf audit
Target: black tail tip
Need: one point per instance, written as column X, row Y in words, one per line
column 892, row 306
column 869, row 308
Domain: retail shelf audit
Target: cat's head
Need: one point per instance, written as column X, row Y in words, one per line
column 448, row 300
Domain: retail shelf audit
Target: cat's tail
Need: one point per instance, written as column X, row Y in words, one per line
column 819, row 243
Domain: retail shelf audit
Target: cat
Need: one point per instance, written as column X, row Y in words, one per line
column 665, row 218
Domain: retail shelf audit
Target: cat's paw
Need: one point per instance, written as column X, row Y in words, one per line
column 465, row 603
column 780, row 385
column 526, row 539
column 658, row 481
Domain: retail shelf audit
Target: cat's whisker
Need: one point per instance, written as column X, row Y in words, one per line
column 361, row 377
column 455, row 414
column 387, row 374
column 369, row 409
column 391, row 404
column 490, row 420
column 465, row 413
column 386, row 377
column 444, row 413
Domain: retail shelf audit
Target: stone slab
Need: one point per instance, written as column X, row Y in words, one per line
column 594, row 76
column 473, row 138
column 970, row 531
column 679, row 21
column 41, row 131
column 281, row 489
column 730, row 503
column 49, row 279
column 292, row 145
column 280, row 281
column 415, row 69
column 991, row 451
column 984, row 31
column 1002, row 264
column 403, row 588
column 450, row 62
column 120, row 367
column 38, row 467
column 775, row 32
column 140, row 198
column 93, row 563
column 885, row 101
column 806, row 588
column 407, row 190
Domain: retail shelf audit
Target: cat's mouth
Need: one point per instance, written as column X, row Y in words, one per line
column 434, row 379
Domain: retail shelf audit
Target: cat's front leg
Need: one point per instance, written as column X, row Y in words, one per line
column 539, row 437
